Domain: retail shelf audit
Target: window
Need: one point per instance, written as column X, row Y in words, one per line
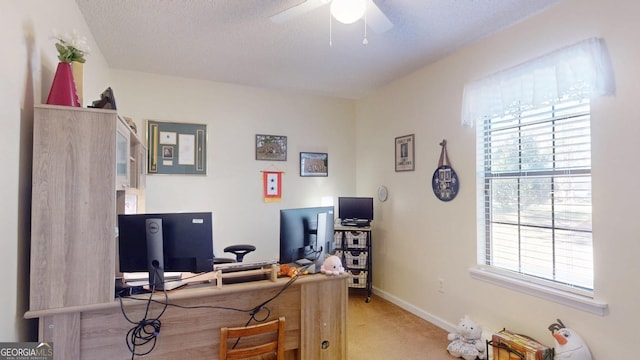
column 534, row 172
column 535, row 194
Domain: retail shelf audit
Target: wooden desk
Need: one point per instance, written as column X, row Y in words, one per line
column 315, row 307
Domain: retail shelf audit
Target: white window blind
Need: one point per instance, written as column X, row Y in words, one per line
column 534, row 165
column 535, row 182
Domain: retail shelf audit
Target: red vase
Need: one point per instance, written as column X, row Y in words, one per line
column 63, row 90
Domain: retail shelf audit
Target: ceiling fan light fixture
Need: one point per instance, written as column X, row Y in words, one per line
column 348, row 11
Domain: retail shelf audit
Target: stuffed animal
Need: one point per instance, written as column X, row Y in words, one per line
column 332, row 266
column 467, row 342
column 569, row 345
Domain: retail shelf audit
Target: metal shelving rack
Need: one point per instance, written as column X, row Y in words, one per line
column 353, row 246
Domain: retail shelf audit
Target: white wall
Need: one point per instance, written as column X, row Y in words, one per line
column 28, row 65
column 232, row 188
column 419, row 239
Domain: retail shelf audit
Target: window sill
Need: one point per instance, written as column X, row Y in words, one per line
column 576, row 301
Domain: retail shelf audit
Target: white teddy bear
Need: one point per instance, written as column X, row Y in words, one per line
column 467, row 342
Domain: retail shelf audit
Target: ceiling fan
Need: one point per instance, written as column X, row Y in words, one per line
column 345, row 11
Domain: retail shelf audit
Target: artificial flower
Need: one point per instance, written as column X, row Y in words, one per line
column 71, row 47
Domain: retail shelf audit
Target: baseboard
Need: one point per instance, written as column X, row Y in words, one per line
column 416, row 311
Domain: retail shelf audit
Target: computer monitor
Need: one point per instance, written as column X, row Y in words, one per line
column 355, row 208
column 306, row 235
column 186, row 238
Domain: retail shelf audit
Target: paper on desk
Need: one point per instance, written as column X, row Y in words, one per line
column 143, row 277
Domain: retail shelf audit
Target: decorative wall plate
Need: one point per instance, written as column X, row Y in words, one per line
column 383, row 194
column 445, row 180
column 445, row 183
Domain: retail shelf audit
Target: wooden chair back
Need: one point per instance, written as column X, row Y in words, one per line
column 254, row 340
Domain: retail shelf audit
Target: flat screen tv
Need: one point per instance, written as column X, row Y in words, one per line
column 186, row 243
column 306, row 235
column 355, row 208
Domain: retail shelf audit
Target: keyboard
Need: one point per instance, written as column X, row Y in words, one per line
column 241, row 266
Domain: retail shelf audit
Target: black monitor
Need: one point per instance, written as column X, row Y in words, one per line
column 186, row 238
column 306, row 235
column 355, row 208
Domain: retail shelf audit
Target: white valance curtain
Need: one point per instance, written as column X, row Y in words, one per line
column 578, row 71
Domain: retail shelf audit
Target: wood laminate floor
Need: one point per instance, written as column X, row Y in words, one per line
column 382, row 330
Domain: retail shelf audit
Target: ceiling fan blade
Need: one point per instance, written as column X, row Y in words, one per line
column 297, row 10
column 376, row 19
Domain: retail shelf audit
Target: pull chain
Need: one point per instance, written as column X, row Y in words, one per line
column 365, row 41
column 330, row 28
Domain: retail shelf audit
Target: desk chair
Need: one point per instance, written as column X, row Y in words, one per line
column 252, row 340
column 238, row 250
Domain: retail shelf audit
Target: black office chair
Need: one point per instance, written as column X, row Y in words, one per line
column 238, row 250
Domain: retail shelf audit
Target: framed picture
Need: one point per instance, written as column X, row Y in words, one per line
column 271, row 147
column 314, row 164
column 405, row 150
column 168, row 138
column 167, row 152
column 176, row 148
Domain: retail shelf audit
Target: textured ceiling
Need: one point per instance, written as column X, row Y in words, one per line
column 234, row 41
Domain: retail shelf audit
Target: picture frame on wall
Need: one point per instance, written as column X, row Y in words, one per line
column 176, row 148
column 405, row 151
column 271, row 147
column 314, row 164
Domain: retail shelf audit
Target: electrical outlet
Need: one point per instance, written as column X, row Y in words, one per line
column 441, row 285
